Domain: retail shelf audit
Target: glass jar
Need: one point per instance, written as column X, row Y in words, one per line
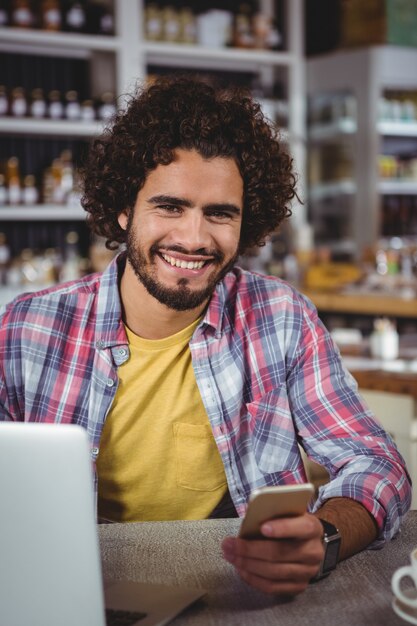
column 51, row 18
column 38, row 104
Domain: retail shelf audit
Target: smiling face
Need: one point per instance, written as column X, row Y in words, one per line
column 183, row 233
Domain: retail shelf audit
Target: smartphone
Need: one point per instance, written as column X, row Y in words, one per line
column 271, row 502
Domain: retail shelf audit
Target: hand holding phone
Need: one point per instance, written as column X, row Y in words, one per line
column 269, row 503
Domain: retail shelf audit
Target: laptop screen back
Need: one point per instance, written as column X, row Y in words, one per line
column 50, row 566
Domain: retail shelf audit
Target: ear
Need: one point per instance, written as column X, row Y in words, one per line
column 122, row 219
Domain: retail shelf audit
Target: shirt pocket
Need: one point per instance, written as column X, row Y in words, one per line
column 197, row 460
column 271, row 429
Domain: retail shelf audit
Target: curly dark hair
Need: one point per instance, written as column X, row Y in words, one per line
column 192, row 114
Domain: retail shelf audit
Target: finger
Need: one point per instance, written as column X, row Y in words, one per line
column 278, row 572
column 282, row 551
column 273, row 587
column 301, row 527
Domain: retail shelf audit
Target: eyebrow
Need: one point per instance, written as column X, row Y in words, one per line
column 175, row 200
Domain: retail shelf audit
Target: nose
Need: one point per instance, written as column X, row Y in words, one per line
column 192, row 231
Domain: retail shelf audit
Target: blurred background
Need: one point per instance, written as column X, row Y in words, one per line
column 339, row 78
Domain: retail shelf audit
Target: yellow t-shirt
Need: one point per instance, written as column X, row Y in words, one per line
column 158, row 459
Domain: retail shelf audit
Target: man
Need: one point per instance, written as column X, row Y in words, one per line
column 196, row 380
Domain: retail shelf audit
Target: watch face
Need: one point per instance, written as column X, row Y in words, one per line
column 332, row 553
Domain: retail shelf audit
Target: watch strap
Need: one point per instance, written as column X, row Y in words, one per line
column 331, row 542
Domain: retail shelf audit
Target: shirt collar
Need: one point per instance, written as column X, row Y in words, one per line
column 109, row 326
column 216, row 314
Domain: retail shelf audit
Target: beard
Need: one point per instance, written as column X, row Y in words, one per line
column 181, row 298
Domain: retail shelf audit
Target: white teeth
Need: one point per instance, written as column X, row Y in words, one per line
column 189, row 265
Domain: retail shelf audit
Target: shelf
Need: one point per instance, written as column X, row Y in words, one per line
column 58, row 44
column 39, row 127
column 344, row 126
column 363, row 304
column 119, row 63
column 398, row 187
column 41, row 212
column 328, row 190
column 367, row 74
column 190, row 56
column 397, row 129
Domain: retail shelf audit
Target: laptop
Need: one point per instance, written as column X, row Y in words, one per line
column 50, row 569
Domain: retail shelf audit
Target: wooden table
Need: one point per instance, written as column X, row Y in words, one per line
column 188, row 553
column 382, row 380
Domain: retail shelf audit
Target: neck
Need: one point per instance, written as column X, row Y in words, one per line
column 145, row 315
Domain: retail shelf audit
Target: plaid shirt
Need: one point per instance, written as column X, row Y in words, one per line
column 268, row 372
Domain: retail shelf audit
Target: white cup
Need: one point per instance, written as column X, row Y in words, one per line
column 409, row 571
column 384, row 344
column 214, row 28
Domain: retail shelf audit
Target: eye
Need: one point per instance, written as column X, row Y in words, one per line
column 170, row 208
column 219, row 215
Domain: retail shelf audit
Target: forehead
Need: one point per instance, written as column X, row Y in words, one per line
column 191, row 173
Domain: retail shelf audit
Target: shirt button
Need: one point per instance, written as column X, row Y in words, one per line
column 100, row 344
column 110, row 382
column 122, row 351
column 94, row 452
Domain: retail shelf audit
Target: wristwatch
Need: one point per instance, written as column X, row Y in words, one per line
column 331, row 543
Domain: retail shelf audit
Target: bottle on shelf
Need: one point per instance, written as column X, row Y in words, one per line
column 71, row 268
column 75, row 17
column 100, row 19
column 4, row 259
column 73, row 198
column 171, row 26
column 38, row 104
column 58, row 181
column 266, row 32
column 106, row 24
column 87, row 111
column 261, row 29
column 30, row 268
column 243, row 36
column 21, row 14
column 72, row 106
column 67, row 175
column 30, row 194
column 399, row 106
column 4, row 16
column 58, row 195
column 50, row 263
column 406, row 265
column 13, row 181
column 188, row 25
column 55, row 105
column 4, row 101
column 3, row 191
column 153, row 22
column 18, row 103
column 51, row 15
column 107, row 106
column 48, row 184
column 409, row 110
